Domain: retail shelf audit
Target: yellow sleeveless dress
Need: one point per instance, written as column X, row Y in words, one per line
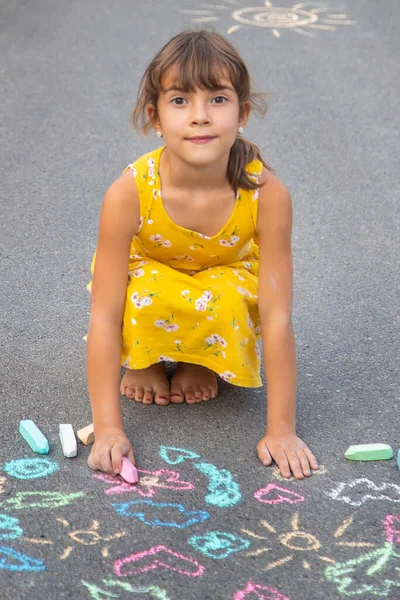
column 190, row 297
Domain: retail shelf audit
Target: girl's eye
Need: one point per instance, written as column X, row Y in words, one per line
column 179, row 103
column 220, row 98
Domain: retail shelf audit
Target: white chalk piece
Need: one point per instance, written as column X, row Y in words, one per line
column 68, row 440
column 35, row 438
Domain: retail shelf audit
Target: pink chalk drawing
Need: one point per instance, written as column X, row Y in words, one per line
column 274, row 494
column 149, row 483
column 258, row 590
column 144, row 562
column 392, row 533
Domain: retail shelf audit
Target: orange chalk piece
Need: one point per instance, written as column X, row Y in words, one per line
column 86, row 435
column 129, row 471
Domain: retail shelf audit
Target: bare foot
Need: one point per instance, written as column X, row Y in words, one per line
column 146, row 385
column 192, row 383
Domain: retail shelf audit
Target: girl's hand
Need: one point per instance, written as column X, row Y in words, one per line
column 107, row 451
column 289, row 452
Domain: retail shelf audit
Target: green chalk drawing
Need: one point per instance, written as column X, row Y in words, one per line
column 366, row 567
column 24, row 500
column 218, row 544
column 30, row 468
column 9, row 528
column 223, row 490
column 175, row 456
column 96, row 593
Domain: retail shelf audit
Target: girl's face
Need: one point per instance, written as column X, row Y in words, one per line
column 185, row 116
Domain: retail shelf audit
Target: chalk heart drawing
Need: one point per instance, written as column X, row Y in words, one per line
column 361, row 490
column 149, row 483
column 155, row 558
column 24, row 500
column 297, row 18
column 30, row 468
column 218, row 544
column 274, row 494
column 10, row 560
column 136, row 508
column 176, row 456
column 262, row 592
column 223, row 492
column 9, row 528
column 99, row 593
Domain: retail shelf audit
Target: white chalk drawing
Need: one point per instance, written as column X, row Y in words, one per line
column 296, row 18
column 359, row 491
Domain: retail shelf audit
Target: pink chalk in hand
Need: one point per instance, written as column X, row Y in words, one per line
column 129, row 471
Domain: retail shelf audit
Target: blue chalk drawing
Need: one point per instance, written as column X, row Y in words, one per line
column 195, row 516
column 30, row 468
column 9, row 528
column 218, row 544
column 223, row 490
column 175, row 456
column 11, row 560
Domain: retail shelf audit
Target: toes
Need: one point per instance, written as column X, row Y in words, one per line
column 190, row 397
column 162, row 397
column 139, row 395
column 205, row 393
column 148, row 396
column 177, row 395
column 130, row 392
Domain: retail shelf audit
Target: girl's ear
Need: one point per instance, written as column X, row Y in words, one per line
column 244, row 114
column 151, row 112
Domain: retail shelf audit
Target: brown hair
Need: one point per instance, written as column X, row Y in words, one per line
column 200, row 58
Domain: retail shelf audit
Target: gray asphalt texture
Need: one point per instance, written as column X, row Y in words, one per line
column 69, row 77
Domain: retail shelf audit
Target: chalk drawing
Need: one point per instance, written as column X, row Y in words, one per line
column 274, row 494
column 24, row 500
column 294, row 540
column 3, row 481
column 218, row 544
column 98, row 593
column 278, row 475
column 88, row 537
column 262, row 592
column 155, row 558
column 176, row 456
column 223, row 492
column 9, row 528
column 150, row 482
column 11, row 560
column 275, row 18
column 191, row 517
column 391, row 526
column 30, row 468
column 358, row 492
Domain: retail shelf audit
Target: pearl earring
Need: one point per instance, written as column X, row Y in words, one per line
column 159, row 134
column 240, row 130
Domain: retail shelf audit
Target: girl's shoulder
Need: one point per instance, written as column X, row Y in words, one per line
column 144, row 163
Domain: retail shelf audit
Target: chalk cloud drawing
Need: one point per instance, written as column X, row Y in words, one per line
column 218, row 544
column 373, row 573
column 358, row 492
column 24, row 500
column 262, row 592
column 223, row 492
column 274, row 494
column 155, row 558
column 11, row 560
column 9, row 528
column 136, row 508
column 176, row 456
column 150, row 482
column 88, row 537
column 98, row 593
column 296, row 18
column 30, row 468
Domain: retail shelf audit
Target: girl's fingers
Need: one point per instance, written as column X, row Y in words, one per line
column 295, row 465
column 311, row 458
column 116, row 459
column 265, row 457
column 283, row 465
column 131, row 456
column 305, row 465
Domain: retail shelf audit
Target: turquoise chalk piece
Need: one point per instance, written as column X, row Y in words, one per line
column 369, row 452
column 34, row 437
column 398, row 459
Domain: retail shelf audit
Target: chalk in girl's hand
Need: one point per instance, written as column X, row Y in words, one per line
column 68, row 441
column 35, row 438
column 86, row 435
column 129, row 471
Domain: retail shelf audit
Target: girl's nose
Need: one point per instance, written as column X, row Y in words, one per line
column 200, row 115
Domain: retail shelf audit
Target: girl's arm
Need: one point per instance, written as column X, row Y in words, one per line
column 119, row 222
column 275, row 297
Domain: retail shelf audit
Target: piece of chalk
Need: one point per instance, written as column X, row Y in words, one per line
column 398, row 459
column 86, row 435
column 369, row 452
column 68, row 440
column 35, row 438
column 129, row 471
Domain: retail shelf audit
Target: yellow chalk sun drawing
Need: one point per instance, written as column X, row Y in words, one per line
column 297, row 18
column 302, row 541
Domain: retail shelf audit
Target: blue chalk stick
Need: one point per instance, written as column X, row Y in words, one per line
column 35, row 438
column 398, row 459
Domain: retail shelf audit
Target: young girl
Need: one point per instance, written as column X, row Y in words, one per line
column 193, row 262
